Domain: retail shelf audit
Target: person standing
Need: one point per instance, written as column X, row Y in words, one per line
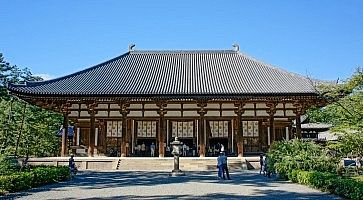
column 184, row 149
column 152, row 149
column 261, row 163
column 72, row 166
column 222, row 148
column 220, row 165
column 143, row 149
column 225, row 166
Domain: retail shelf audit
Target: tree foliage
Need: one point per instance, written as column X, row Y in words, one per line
column 30, row 128
column 345, row 112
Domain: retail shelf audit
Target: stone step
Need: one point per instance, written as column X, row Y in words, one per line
column 186, row 164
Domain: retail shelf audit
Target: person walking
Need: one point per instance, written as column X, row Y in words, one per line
column 152, row 149
column 225, row 166
column 220, row 165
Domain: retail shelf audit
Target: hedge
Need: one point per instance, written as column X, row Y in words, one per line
column 33, row 178
column 344, row 187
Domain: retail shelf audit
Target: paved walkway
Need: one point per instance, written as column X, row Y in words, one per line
column 158, row 185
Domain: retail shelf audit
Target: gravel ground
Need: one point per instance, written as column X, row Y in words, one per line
column 158, row 185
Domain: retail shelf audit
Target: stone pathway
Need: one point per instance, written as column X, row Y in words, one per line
column 158, row 185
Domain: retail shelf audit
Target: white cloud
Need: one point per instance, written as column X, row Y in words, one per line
column 45, row 76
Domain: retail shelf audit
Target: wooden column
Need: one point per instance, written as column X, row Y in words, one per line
column 66, row 112
column 92, row 112
column 298, row 126
column 298, row 111
column 271, row 111
column 239, row 136
column 162, row 130
column 201, row 130
column 124, row 112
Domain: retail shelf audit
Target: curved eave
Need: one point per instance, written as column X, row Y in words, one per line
column 167, row 96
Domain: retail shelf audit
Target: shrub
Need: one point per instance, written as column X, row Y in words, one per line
column 35, row 177
column 285, row 156
column 344, row 187
column 8, row 164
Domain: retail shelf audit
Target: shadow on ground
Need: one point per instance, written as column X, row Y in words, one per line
column 101, row 180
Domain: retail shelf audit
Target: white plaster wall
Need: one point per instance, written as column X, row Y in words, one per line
column 213, row 113
column 262, row 113
column 74, row 114
column 135, row 114
column 174, row 106
column 135, row 106
column 279, row 113
column 190, row 106
column 102, row 106
column 249, row 113
column 84, row 114
column 228, row 113
column 102, row 114
column 173, row 114
column 190, row 114
column 228, row 105
column 151, row 106
column 115, row 114
column 151, row 114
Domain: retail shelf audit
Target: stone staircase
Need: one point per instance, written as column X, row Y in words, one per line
column 186, row 164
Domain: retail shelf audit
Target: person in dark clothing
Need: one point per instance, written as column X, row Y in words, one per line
column 261, row 163
column 225, row 166
column 72, row 165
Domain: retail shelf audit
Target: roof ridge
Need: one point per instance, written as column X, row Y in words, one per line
column 181, row 51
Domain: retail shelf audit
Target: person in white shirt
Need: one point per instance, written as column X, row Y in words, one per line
column 222, row 148
column 184, row 149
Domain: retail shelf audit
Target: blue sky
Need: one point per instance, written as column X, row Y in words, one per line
column 322, row 39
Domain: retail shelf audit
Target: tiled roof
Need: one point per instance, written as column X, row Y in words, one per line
column 174, row 73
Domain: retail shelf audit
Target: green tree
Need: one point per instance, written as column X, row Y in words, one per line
column 345, row 112
column 24, row 128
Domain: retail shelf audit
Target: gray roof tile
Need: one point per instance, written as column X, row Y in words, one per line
column 174, row 73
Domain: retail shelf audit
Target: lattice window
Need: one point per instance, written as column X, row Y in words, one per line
column 182, row 129
column 146, row 129
column 114, row 129
column 219, row 128
column 250, row 128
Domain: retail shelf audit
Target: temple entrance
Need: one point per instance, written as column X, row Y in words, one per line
column 251, row 137
column 143, row 147
column 217, row 145
column 189, row 148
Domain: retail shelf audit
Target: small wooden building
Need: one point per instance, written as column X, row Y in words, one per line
column 204, row 97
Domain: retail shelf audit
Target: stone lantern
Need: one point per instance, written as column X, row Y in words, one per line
column 177, row 147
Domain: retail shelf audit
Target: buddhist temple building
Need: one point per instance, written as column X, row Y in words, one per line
column 206, row 98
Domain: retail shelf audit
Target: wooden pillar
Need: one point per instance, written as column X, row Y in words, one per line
column 64, row 151
column 124, row 136
column 124, row 112
column 66, row 112
column 239, row 136
column 271, row 111
column 92, row 112
column 201, row 130
column 299, row 110
column 298, row 126
column 272, row 129
column 162, row 130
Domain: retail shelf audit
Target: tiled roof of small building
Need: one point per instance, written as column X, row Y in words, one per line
column 174, row 73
